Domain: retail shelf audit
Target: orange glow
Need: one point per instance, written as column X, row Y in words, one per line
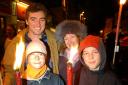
column 73, row 52
column 19, row 54
column 122, row 1
column 21, row 10
column 22, row 4
column 64, row 3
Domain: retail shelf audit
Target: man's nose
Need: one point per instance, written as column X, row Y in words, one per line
column 38, row 23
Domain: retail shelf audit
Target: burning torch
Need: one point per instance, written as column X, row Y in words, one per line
column 116, row 49
column 73, row 52
column 18, row 60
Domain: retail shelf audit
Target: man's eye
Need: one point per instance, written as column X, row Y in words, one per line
column 32, row 18
column 42, row 19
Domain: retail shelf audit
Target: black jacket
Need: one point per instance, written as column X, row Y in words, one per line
column 48, row 79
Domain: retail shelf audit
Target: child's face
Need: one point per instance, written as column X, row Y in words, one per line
column 71, row 40
column 36, row 60
column 91, row 57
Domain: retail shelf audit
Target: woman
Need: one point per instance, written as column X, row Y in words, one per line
column 69, row 33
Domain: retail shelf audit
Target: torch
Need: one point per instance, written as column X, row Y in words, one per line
column 18, row 60
column 73, row 52
column 122, row 2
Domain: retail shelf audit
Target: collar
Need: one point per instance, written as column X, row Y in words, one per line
column 42, row 38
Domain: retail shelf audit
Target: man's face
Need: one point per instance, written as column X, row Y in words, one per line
column 36, row 22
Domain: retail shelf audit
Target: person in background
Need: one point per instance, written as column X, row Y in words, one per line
column 36, row 18
column 6, row 35
column 68, row 34
column 10, row 33
column 37, row 72
column 93, row 60
column 110, row 46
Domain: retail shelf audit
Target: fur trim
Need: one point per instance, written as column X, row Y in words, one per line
column 70, row 26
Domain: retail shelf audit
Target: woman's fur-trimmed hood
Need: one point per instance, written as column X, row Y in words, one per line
column 70, row 26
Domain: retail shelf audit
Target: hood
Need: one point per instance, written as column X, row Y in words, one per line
column 96, row 42
column 70, row 26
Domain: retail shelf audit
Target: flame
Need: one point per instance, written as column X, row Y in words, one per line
column 19, row 53
column 122, row 1
column 73, row 52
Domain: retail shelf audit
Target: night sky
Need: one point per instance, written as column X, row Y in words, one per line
column 95, row 11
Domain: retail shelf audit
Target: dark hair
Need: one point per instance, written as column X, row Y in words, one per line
column 35, row 7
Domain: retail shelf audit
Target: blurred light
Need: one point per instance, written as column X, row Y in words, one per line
column 101, row 31
column 122, row 1
column 83, row 12
column 73, row 52
column 22, row 4
column 19, row 54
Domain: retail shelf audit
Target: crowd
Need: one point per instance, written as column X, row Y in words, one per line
column 46, row 53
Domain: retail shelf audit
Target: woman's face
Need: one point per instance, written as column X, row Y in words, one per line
column 71, row 40
column 92, row 58
column 36, row 60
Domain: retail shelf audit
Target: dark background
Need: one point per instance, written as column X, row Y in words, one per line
column 96, row 11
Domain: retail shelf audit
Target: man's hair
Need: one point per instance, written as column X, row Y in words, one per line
column 35, row 7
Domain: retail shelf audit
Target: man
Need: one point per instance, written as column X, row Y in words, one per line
column 36, row 24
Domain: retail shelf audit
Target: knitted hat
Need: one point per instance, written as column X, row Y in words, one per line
column 90, row 41
column 70, row 27
column 36, row 46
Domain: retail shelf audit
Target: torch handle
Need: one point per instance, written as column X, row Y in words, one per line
column 18, row 79
column 69, row 74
